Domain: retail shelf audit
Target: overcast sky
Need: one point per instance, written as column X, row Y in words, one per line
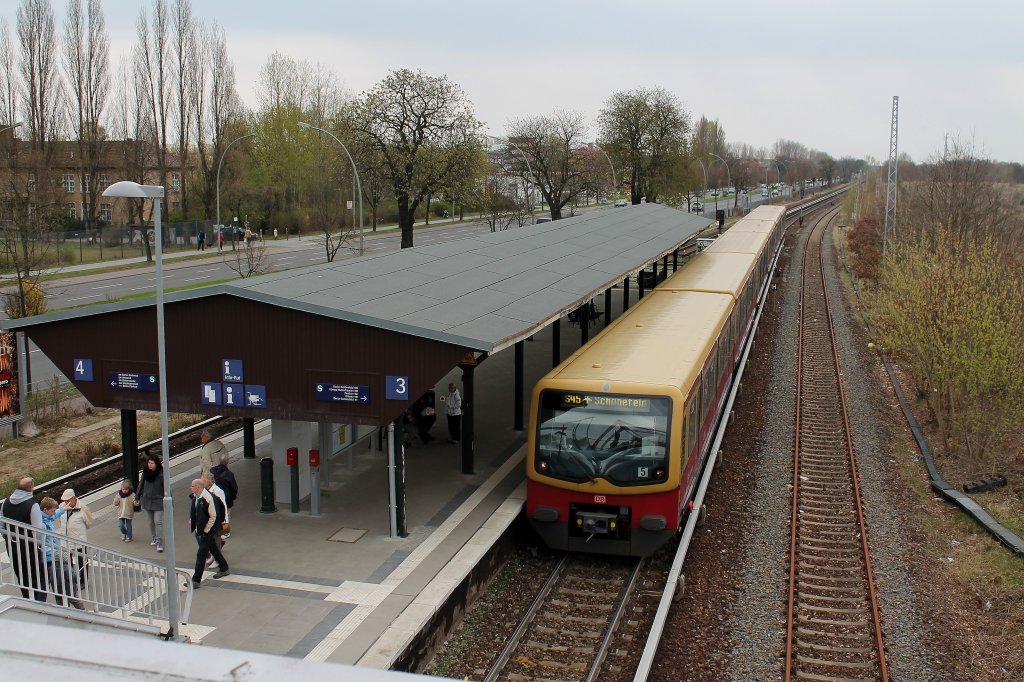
column 957, row 67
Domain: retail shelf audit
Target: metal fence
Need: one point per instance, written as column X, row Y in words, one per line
column 84, row 576
column 123, row 241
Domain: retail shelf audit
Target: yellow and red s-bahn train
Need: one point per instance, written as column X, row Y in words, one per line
column 620, row 430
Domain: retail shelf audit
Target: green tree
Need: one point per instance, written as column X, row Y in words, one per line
column 953, row 310
column 647, row 131
column 424, row 129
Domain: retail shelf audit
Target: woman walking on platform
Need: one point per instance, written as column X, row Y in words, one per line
column 151, row 497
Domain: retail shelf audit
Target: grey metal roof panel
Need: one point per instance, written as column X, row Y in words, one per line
column 524, row 284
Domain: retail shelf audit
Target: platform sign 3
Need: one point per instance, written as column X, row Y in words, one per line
column 82, row 369
column 396, row 388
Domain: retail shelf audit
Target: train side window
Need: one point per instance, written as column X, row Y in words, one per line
column 692, row 424
column 708, row 385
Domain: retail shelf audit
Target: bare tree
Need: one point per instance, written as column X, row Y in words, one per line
column 218, row 114
column 552, row 144
column 8, row 78
column 41, row 84
column 958, row 193
column 153, row 70
column 249, row 259
column 87, row 67
column 187, row 61
column 423, row 127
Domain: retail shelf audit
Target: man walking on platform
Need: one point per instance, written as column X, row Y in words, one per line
column 454, row 411
column 204, row 520
column 211, row 454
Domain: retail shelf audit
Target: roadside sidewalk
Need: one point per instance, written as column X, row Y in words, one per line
column 280, row 245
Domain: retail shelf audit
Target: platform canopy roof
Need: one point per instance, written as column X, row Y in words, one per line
column 426, row 306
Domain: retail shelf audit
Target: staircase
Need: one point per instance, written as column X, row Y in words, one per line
column 118, row 589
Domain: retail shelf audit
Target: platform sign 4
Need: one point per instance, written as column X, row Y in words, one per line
column 211, row 393
column 396, row 388
column 255, row 395
column 231, row 370
column 83, row 369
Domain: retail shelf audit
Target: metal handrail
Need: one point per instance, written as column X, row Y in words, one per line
column 89, row 577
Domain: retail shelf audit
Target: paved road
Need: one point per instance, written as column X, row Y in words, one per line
column 96, row 288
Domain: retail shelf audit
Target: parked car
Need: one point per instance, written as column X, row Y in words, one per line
column 620, row 203
column 696, row 208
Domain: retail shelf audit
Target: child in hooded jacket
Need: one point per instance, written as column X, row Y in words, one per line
column 124, row 501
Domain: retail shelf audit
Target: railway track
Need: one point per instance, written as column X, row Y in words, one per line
column 833, row 627
column 100, row 474
column 568, row 631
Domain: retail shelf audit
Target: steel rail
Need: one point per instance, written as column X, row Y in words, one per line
column 513, row 642
column 851, row 458
column 643, row 670
column 613, row 623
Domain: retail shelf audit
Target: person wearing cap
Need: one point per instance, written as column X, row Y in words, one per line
column 77, row 522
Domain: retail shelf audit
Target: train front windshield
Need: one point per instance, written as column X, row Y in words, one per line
column 620, row 438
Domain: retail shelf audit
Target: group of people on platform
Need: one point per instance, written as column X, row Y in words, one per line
column 55, row 565
column 420, row 418
column 61, row 568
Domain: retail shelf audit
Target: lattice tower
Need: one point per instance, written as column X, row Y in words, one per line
column 890, row 183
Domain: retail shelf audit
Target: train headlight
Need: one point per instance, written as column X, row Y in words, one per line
column 543, row 465
column 579, row 521
column 659, row 473
column 612, row 525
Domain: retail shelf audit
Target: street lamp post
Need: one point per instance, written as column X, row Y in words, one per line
column 777, row 162
column 12, row 127
column 728, row 175
column 615, row 185
column 219, row 164
column 705, row 190
column 355, row 172
column 134, row 190
column 529, row 171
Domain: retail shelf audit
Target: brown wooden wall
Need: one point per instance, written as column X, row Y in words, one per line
column 286, row 351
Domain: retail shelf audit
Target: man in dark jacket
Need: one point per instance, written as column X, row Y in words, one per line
column 225, row 478
column 205, row 517
column 22, row 547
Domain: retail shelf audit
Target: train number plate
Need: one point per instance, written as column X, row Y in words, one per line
column 600, row 499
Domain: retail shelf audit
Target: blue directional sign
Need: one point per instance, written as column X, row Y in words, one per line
column 234, row 395
column 132, row 381
column 211, row 393
column 255, row 395
column 342, row 393
column 83, row 369
column 396, row 388
column 231, row 370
